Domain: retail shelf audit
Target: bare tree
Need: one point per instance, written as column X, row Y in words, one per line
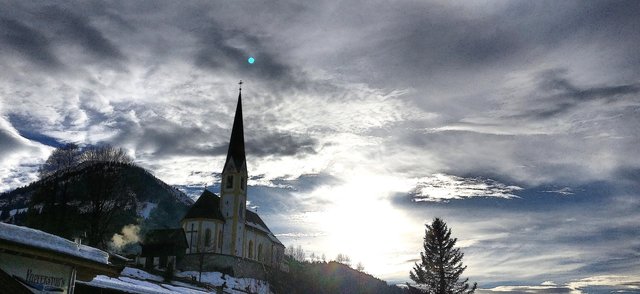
column 106, row 153
column 107, row 197
column 296, row 253
column 70, row 155
column 344, row 259
column 360, row 267
column 61, row 158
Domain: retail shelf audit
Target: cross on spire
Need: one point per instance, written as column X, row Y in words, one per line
column 240, row 83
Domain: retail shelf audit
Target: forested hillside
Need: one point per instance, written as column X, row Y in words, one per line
column 93, row 201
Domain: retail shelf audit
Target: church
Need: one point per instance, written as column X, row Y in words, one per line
column 221, row 233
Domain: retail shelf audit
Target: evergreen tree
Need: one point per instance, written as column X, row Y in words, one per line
column 441, row 264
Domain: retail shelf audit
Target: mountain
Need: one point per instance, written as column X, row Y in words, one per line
column 94, row 201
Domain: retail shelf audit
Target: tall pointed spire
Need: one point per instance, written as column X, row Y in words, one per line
column 236, row 144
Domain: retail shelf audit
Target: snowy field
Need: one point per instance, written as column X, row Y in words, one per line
column 138, row 281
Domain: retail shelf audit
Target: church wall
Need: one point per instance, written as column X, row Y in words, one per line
column 277, row 254
column 199, row 239
column 256, row 238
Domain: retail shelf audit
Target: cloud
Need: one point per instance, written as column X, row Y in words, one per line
column 559, row 96
column 595, row 284
column 528, row 289
column 263, row 143
column 622, row 283
column 78, row 30
column 19, row 157
column 441, row 187
column 222, row 48
column 562, row 191
column 27, row 42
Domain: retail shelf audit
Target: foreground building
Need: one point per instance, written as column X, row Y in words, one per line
column 221, row 233
column 32, row 261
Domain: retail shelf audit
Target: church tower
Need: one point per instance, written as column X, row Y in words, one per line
column 233, row 191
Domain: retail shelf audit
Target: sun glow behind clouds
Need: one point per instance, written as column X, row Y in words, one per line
column 361, row 222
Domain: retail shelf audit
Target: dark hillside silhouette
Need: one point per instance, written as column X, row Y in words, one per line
column 94, row 200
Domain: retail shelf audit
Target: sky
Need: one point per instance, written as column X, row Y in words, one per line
column 517, row 122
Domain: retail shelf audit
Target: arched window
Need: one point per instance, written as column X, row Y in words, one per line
column 229, row 183
column 251, row 249
column 259, row 252
column 220, row 239
column 207, row 237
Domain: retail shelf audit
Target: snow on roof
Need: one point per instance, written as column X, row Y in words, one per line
column 140, row 274
column 258, row 227
column 274, row 239
column 40, row 239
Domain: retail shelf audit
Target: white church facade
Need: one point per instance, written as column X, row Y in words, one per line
column 221, row 225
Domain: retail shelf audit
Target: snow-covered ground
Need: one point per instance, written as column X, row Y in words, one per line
column 145, row 209
column 15, row 211
column 40, row 239
column 138, row 281
column 131, row 285
column 233, row 285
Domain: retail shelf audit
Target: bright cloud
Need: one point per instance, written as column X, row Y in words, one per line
column 441, row 187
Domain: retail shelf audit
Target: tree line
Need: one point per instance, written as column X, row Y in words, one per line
column 300, row 255
column 71, row 154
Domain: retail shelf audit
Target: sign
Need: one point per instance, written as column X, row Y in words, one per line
column 37, row 275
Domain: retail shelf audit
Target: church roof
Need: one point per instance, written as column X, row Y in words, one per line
column 207, row 206
column 236, row 144
column 166, row 237
column 164, row 242
column 254, row 220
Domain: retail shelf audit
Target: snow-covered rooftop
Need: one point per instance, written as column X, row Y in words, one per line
column 40, row 239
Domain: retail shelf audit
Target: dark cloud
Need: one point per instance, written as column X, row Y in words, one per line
column 163, row 138
column 8, row 143
column 223, row 48
column 266, row 143
column 560, row 95
column 79, row 30
column 28, row 42
column 281, row 144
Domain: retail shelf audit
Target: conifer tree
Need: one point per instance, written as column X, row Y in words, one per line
column 440, row 267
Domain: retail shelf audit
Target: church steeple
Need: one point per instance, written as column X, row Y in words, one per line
column 233, row 191
column 236, row 144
